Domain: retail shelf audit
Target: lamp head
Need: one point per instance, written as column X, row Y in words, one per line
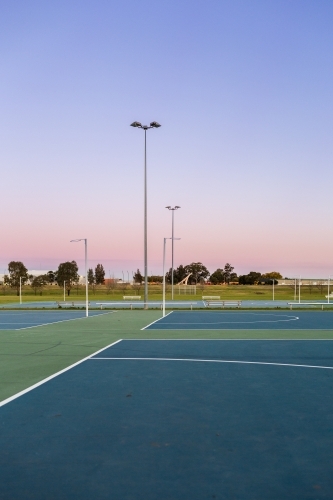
column 176, row 207
column 155, row 125
column 168, row 207
column 136, row 124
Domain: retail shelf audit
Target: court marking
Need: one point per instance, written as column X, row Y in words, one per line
column 289, row 318
column 215, row 361
column 52, row 323
column 159, row 319
column 34, row 386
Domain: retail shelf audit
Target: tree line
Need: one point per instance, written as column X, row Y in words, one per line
column 200, row 274
column 66, row 276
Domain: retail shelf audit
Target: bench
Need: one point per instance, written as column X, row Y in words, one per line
column 72, row 303
column 211, row 297
column 223, row 303
column 297, row 304
column 132, row 297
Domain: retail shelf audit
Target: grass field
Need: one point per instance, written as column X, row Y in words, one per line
column 240, row 292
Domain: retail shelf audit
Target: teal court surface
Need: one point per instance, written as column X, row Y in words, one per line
column 158, row 418
column 248, row 320
column 21, row 320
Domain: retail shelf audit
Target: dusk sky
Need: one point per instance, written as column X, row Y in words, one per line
column 243, row 91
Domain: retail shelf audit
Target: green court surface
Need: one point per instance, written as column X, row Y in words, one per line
column 28, row 356
column 131, row 411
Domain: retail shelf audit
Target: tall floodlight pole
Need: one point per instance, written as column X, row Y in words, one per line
column 145, row 128
column 172, row 245
column 299, row 290
column 86, row 269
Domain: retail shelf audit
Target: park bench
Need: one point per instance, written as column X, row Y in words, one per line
column 223, row 303
column 132, row 297
column 72, row 303
column 211, row 297
column 314, row 304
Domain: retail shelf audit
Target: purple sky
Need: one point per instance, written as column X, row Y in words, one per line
column 243, row 92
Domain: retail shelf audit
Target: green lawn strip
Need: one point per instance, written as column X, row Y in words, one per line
column 101, row 293
column 29, row 356
column 234, row 334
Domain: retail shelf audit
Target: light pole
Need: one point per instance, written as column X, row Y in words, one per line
column 20, row 289
column 172, row 238
column 163, row 299
column 64, row 291
column 328, row 289
column 86, row 269
column 145, row 128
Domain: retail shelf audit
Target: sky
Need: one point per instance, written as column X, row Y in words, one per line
column 243, row 91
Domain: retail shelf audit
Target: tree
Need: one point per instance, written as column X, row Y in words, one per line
column 67, row 272
column 249, row 279
column 51, row 276
column 273, row 275
column 228, row 273
column 178, row 274
column 91, row 277
column 99, row 275
column 197, row 270
column 217, row 277
column 38, row 283
column 138, row 278
column 16, row 271
column 155, row 279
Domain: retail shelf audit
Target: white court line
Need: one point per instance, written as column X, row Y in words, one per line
column 239, row 330
column 223, row 340
column 21, row 393
column 215, row 361
column 294, row 318
column 61, row 321
column 159, row 319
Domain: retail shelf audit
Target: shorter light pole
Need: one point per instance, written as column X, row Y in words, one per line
column 273, row 288
column 328, row 289
column 172, row 238
column 163, row 299
column 299, row 290
column 20, row 289
column 64, row 291
column 86, row 269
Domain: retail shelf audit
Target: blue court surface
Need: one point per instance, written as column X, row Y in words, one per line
column 238, row 320
column 21, row 320
column 176, row 419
